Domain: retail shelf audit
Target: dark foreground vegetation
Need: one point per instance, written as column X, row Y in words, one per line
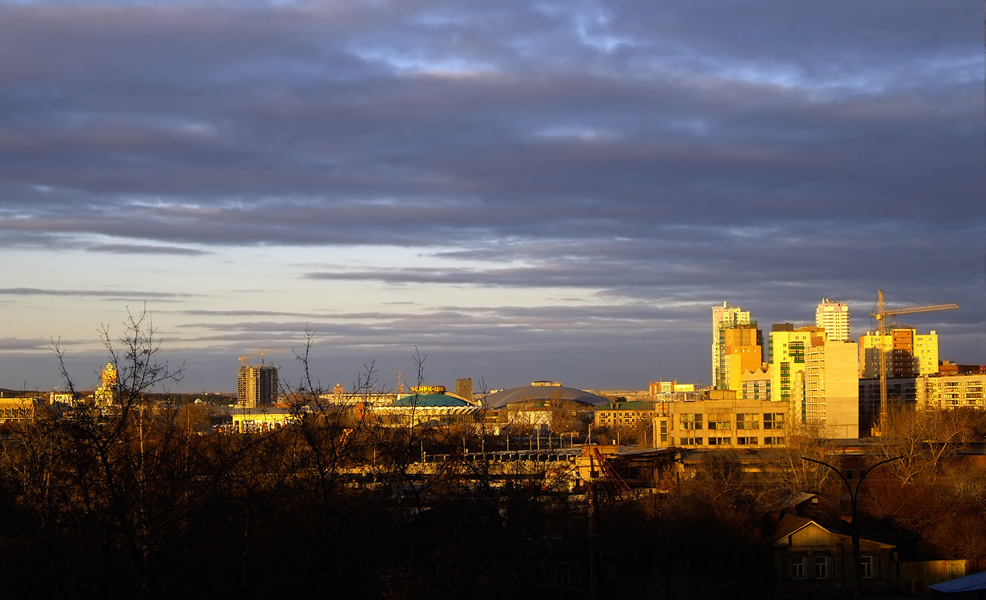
column 142, row 507
column 136, row 502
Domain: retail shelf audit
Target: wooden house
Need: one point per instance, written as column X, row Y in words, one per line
column 811, row 558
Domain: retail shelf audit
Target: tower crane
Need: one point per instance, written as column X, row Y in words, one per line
column 880, row 314
column 263, row 352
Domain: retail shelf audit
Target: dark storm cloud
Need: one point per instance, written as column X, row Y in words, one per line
column 674, row 153
column 219, row 116
column 689, row 259
column 24, row 345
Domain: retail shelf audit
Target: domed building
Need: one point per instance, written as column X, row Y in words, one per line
column 542, row 393
column 430, row 401
column 427, row 404
column 543, row 404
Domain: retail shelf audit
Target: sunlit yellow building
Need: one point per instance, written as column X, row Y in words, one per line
column 723, row 318
column 755, row 384
column 787, row 360
column 947, row 392
column 721, row 421
column 740, row 357
column 18, row 409
column 908, row 354
column 830, row 400
column 726, row 423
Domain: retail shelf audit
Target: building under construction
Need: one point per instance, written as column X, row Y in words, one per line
column 256, row 385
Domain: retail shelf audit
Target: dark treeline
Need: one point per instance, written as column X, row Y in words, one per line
column 137, row 505
column 136, row 502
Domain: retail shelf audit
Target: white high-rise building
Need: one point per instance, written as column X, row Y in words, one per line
column 834, row 317
column 723, row 318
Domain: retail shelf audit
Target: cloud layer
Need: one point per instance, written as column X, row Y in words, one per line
column 579, row 166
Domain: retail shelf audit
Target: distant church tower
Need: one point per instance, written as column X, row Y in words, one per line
column 107, row 384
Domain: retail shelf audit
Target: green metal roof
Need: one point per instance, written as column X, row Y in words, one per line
column 429, row 400
column 629, row 405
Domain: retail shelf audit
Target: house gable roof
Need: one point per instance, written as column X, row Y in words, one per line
column 790, row 525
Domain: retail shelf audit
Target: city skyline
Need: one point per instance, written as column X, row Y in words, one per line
column 551, row 191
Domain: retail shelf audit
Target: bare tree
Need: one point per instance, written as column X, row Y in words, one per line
column 118, row 455
column 925, row 440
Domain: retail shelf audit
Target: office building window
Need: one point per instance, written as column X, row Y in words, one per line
column 719, row 422
column 773, row 421
column 691, row 421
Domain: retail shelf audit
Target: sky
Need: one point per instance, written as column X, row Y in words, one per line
column 512, row 191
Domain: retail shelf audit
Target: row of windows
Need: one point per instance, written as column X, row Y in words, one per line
column 742, row 440
column 721, row 422
column 716, row 421
column 967, row 402
column 822, row 570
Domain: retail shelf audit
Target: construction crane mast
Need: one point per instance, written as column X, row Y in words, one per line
column 262, row 352
column 880, row 314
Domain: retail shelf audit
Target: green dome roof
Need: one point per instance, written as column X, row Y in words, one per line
column 429, row 400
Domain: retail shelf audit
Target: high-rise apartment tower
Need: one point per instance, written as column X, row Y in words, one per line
column 834, row 317
column 724, row 317
column 830, row 398
column 908, row 353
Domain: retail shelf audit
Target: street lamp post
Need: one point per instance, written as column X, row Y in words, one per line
column 853, row 495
